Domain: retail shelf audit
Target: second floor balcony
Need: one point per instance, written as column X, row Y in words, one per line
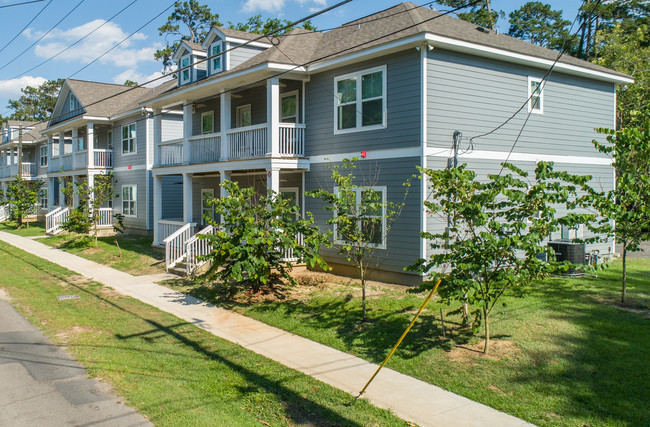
column 99, row 158
column 249, row 142
column 28, row 170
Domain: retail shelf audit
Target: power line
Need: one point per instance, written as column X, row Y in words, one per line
column 27, row 25
column 20, row 4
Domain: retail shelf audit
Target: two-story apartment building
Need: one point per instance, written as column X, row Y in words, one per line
column 98, row 128
column 392, row 88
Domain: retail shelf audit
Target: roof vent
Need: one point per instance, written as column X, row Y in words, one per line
column 483, row 30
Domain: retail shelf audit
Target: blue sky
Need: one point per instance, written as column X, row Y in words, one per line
column 134, row 58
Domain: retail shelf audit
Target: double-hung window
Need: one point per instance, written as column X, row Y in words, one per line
column 207, row 209
column 289, row 107
column 364, row 216
column 360, row 101
column 43, row 198
column 186, row 70
column 128, row 139
column 43, row 155
column 216, row 57
column 129, row 200
column 535, row 95
column 207, row 122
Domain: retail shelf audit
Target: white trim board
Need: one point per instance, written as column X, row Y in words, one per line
column 521, row 157
column 390, row 153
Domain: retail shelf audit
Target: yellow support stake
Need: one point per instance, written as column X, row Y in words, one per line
column 426, row 301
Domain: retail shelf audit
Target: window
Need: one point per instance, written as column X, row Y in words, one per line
column 366, row 207
column 81, row 143
column 207, row 122
column 244, row 117
column 43, row 155
column 43, row 198
column 207, row 210
column 128, row 138
column 71, row 102
column 109, row 137
column 215, row 53
column 289, row 107
column 535, row 95
column 360, row 101
column 186, row 69
column 129, row 200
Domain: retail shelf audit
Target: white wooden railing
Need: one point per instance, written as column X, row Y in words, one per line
column 171, row 153
column 292, row 139
column 288, row 253
column 175, row 246
column 66, row 161
column 4, row 212
column 55, row 219
column 196, row 248
column 79, row 160
column 247, row 142
column 103, row 158
column 167, row 227
column 105, row 217
column 205, row 148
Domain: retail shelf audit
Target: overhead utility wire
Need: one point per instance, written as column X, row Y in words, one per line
column 20, row 4
column 43, row 36
column 27, row 25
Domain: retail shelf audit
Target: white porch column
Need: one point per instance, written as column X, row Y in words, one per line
column 50, row 152
column 273, row 180
column 61, row 146
column 91, row 185
column 273, row 115
column 61, row 194
column 187, row 131
column 187, row 197
column 50, row 192
column 224, row 124
column 157, row 208
column 12, row 159
column 75, row 192
column 90, row 144
column 157, row 135
column 75, row 143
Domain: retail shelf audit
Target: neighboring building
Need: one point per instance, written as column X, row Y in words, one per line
column 98, row 128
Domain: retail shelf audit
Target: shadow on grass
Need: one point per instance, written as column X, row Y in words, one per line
column 298, row 408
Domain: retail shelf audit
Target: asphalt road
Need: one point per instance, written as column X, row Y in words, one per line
column 41, row 385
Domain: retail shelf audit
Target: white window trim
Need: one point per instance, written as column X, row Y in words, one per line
column 541, row 95
column 203, row 208
column 238, row 116
column 359, row 127
column 358, row 190
column 135, row 140
column 293, row 93
column 222, row 56
column 207, row 113
column 43, row 157
column 189, row 70
column 43, row 199
column 71, row 102
column 134, row 193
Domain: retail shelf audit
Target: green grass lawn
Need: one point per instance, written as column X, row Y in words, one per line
column 138, row 257
column 563, row 355
column 35, row 228
column 169, row 370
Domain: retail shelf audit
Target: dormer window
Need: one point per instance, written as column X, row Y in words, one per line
column 216, row 60
column 71, row 102
column 186, row 73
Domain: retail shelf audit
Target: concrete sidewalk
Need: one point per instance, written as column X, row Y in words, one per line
column 409, row 398
column 40, row 384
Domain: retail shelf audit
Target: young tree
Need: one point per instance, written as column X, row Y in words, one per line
column 537, row 23
column 496, row 232
column 36, row 103
column 480, row 13
column 86, row 217
column 625, row 210
column 23, row 196
column 361, row 219
column 194, row 18
column 255, row 234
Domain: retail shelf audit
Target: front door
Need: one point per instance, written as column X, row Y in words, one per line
column 207, row 210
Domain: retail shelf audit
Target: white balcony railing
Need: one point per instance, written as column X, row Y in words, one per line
column 205, row 148
column 103, row 158
column 105, row 217
column 171, row 153
column 67, row 161
column 292, row 139
column 28, row 170
column 248, row 142
column 80, row 160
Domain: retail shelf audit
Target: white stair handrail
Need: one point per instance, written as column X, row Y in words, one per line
column 197, row 248
column 49, row 219
column 58, row 219
column 175, row 245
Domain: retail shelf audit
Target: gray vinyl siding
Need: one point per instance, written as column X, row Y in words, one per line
column 474, row 95
column 139, row 157
column 402, row 101
column 213, row 105
column 239, row 54
column 41, row 170
column 68, row 112
column 172, row 197
column 256, row 97
column 138, row 178
column 172, row 126
column 403, row 242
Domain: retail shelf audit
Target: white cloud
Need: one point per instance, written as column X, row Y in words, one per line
column 135, row 76
column 11, row 88
column 104, row 38
column 276, row 5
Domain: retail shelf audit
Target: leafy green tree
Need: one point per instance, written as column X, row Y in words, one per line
column 537, row 23
column 625, row 210
column 190, row 21
column 86, row 217
column 629, row 53
column 361, row 218
column 254, row 236
column 480, row 13
column 496, row 231
column 131, row 83
column 36, row 103
column 257, row 25
column 23, row 197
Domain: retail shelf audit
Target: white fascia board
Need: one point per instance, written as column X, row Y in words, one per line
column 491, row 52
column 77, row 122
column 247, row 42
column 391, row 153
column 294, row 164
column 129, row 113
column 521, row 157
